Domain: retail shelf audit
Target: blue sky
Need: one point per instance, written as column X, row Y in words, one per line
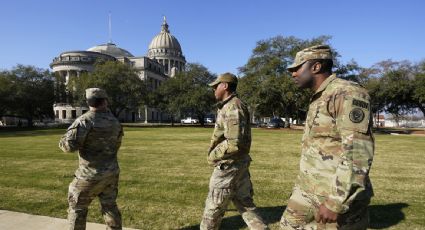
column 218, row 34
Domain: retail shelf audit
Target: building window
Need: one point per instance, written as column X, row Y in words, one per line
column 63, row 114
column 56, row 113
column 84, row 111
column 73, row 114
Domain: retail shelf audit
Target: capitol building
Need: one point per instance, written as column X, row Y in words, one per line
column 163, row 60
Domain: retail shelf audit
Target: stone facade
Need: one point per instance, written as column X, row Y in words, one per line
column 164, row 59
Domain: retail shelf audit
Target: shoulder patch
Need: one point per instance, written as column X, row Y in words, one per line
column 361, row 104
column 357, row 115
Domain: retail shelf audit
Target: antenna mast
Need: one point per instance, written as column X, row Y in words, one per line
column 110, row 28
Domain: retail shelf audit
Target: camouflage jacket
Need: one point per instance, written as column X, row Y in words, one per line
column 231, row 139
column 97, row 137
column 338, row 144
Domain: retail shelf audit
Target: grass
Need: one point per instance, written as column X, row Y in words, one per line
column 164, row 177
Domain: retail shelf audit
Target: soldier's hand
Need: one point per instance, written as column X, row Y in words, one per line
column 324, row 215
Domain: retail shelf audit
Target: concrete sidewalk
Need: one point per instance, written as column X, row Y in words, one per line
column 21, row 221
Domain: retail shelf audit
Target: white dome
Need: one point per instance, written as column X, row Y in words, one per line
column 164, row 40
column 111, row 49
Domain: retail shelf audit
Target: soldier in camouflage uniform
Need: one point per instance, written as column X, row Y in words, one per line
column 333, row 189
column 97, row 136
column 229, row 154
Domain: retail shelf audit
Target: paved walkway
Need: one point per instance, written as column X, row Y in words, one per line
column 21, row 221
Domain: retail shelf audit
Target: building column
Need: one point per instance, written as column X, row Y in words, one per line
column 78, row 76
column 146, row 114
column 139, row 113
column 169, row 66
column 63, row 85
column 67, row 76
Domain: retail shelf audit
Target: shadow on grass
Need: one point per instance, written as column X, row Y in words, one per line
column 386, row 215
column 32, row 132
column 269, row 214
column 381, row 216
column 399, row 130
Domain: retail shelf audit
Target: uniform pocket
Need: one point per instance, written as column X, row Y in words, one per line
column 323, row 124
column 224, row 176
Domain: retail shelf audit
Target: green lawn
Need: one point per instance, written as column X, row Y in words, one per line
column 164, row 177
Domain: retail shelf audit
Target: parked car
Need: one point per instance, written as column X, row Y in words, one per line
column 276, row 123
column 208, row 120
column 258, row 124
column 189, row 120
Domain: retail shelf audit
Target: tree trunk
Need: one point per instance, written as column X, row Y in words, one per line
column 201, row 120
column 30, row 122
column 287, row 121
column 252, row 111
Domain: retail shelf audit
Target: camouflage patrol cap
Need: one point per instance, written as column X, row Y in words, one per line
column 225, row 77
column 310, row 53
column 92, row 93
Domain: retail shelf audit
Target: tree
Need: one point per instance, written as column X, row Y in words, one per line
column 352, row 72
column 33, row 93
column 267, row 86
column 7, row 92
column 396, row 87
column 373, row 85
column 419, row 88
column 249, row 87
column 126, row 91
column 187, row 93
column 271, row 95
column 167, row 97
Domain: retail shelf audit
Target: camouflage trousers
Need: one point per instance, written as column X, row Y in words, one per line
column 82, row 192
column 230, row 182
column 302, row 207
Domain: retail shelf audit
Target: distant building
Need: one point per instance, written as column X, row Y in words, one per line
column 379, row 120
column 164, row 59
column 405, row 122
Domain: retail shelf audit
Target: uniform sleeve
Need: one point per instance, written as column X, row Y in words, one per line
column 233, row 128
column 218, row 134
column 119, row 139
column 74, row 137
column 353, row 120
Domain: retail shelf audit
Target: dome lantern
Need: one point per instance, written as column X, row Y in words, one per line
column 164, row 27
